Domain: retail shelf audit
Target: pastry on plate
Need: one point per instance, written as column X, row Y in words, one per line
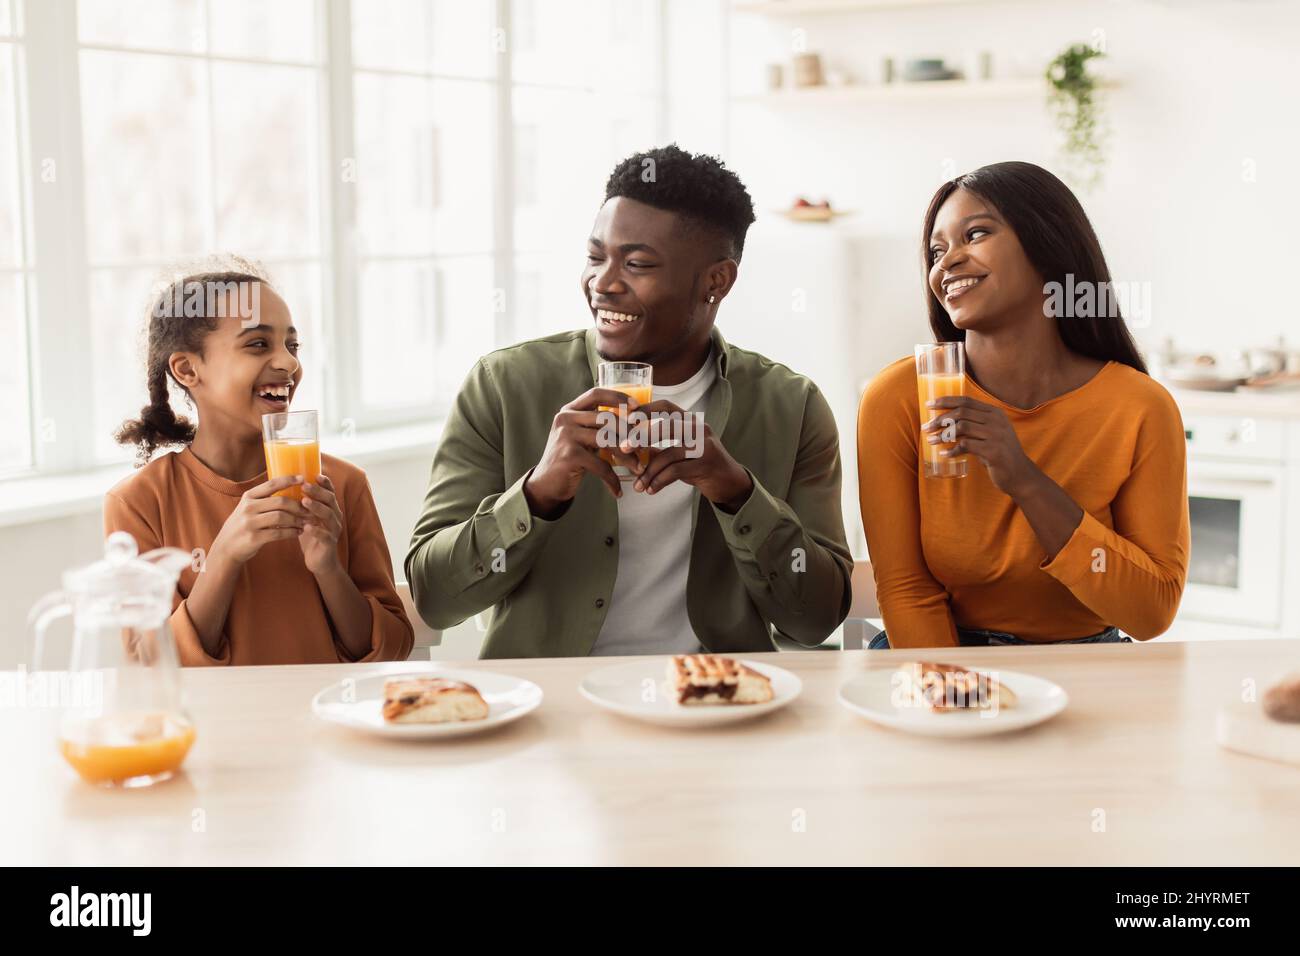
column 431, row 700
column 942, row 688
column 698, row 679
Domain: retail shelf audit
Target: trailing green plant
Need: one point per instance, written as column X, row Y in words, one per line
column 1074, row 99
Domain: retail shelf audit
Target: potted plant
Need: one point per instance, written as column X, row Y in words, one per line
column 1074, row 100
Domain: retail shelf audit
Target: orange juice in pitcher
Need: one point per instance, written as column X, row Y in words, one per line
column 125, row 748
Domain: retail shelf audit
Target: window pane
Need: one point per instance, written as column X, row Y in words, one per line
column 423, row 326
column 144, row 24
column 396, row 335
column 144, row 127
column 548, row 294
column 15, row 394
column 267, row 184
column 557, row 188
column 6, row 18
column 424, row 183
column 443, row 36
column 265, row 29
column 119, row 301
column 578, row 43
column 11, row 230
column 300, row 287
column 466, row 321
column 547, row 125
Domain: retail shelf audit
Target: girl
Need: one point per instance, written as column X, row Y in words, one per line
column 1072, row 521
column 275, row 580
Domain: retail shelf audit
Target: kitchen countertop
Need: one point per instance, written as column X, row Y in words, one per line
column 1128, row 774
column 1259, row 404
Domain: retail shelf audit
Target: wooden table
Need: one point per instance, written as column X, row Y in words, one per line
column 1128, row 774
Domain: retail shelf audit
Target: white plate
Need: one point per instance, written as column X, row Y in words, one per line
column 357, row 703
column 872, row 694
column 638, row 689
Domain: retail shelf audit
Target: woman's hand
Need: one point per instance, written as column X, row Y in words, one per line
column 258, row 519
column 985, row 432
column 320, row 537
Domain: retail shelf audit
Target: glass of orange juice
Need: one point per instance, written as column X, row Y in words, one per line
column 292, row 446
column 633, row 379
column 940, row 372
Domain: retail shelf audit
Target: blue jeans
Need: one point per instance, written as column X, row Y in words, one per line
column 972, row 637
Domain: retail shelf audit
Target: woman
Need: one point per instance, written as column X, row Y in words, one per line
column 1072, row 520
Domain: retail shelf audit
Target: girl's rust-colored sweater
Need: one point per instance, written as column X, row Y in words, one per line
column 957, row 551
column 277, row 614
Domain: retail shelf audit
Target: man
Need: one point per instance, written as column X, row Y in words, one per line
column 710, row 543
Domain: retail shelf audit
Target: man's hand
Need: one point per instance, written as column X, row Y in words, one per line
column 707, row 466
column 571, row 452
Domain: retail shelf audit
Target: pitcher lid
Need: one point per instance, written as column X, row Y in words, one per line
column 124, row 570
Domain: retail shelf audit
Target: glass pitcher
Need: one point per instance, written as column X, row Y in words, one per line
column 123, row 724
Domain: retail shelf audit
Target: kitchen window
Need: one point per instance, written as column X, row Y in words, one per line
column 200, row 131
column 340, row 144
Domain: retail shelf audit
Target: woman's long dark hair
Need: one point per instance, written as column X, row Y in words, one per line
column 1059, row 240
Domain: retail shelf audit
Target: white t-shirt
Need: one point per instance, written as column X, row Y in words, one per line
column 647, row 612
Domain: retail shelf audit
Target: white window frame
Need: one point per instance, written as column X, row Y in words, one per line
column 17, row 41
column 58, row 298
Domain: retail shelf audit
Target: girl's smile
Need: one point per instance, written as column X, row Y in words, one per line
column 275, row 394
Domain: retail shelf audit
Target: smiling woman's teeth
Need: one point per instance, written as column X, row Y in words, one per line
column 959, row 285
column 274, row 392
column 609, row 316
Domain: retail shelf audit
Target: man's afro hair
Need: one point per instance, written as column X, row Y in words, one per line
column 698, row 187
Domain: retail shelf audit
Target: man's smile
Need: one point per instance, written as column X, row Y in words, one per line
column 613, row 323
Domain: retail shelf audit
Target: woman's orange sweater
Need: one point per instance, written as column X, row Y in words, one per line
column 957, row 551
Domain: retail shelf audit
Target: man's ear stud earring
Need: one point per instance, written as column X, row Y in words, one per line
column 712, row 299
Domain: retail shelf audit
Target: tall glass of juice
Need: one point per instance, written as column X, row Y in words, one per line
column 940, row 372
column 292, row 446
column 635, row 380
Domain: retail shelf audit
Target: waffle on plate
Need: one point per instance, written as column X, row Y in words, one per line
column 707, row 679
column 943, row 688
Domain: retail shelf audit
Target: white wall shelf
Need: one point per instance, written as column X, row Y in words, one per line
column 782, row 8
column 1026, row 88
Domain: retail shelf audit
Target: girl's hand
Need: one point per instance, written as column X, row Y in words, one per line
column 985, row 432
column 259, row 519
column 320, row 537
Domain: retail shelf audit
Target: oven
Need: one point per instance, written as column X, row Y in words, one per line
column 1236, row 494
